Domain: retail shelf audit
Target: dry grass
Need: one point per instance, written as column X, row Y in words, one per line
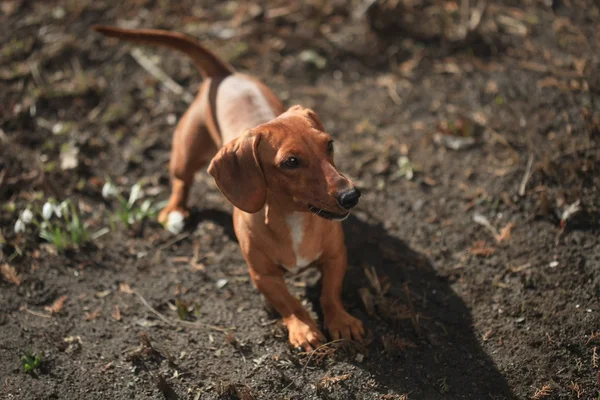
column 394, row 344
column 545, row 391
column 328, row 381
column 57, row 305
column 576, row 389
column 594, row 336
column 235, row 391
column 10, row 274
column 322, row 353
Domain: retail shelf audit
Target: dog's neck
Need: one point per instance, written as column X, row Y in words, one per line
column 278, row 209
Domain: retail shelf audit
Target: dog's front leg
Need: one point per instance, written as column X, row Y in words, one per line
column 303, row 331
column 338, row 321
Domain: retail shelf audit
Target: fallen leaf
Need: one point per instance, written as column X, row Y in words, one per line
column 479, row 249
column 408, row 66
column 103, row 293
column 505, row 232
column 328, row 380
column 552, row 82
column 108, row 366
column 487, row 335
column 367, row 299
column 454, row 142
column 197, row 266
column 125, row 288
column 117, row 313
column 10, row 274
column 579, row 65
column 93, row 315
column 429, row 181
column 57, row 305
column 146, row 323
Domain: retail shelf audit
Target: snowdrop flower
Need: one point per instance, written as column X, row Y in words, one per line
column 47, row 211
column 136, row 193
column 26, row 216
column 109, row 190
column 175, row 222
column 145, row 206
column 58, row 210
column 19, row 226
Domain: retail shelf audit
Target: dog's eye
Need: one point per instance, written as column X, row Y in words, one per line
column 330, row 147
column 291, row 163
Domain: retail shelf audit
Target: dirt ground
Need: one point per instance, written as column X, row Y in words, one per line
column 442, row 135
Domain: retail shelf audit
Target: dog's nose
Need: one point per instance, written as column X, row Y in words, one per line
column 349, row 199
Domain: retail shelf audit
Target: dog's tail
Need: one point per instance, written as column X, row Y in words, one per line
column 209, row 65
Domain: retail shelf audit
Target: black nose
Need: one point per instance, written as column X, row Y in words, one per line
column 349, row 199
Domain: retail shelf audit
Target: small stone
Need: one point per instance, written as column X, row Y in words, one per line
column 221, row 283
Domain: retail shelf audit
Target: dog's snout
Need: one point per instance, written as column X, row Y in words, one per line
column 349, row 198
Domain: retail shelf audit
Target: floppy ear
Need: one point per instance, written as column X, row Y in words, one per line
column 310, row 114
column 238, row 174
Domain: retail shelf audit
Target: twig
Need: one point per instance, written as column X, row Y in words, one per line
column 526, row 176
column 477, row 15
column 37, row 314
column 464, row 12
column 201, row 325
column 414, row 317
column 312, row 353
column 175, row 323
column 176, row 239
column 159, row 315
column 483, row 221
column 2, row 176
column 159, row 74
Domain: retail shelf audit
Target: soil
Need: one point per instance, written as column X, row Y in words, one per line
column 455, row 310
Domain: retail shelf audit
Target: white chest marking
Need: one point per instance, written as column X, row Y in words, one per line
column 295, row 223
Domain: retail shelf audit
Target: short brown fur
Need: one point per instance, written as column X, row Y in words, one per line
column 239, row 126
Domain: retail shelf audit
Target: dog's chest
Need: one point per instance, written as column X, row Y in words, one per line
column 304, row 249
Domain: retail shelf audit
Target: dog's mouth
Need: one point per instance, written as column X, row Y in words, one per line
column 328, row 214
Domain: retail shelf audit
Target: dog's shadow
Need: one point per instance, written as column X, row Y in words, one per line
column 422, row 340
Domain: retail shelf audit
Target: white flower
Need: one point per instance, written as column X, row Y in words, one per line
column 19, row 226
column 136, row 193
column 26, row 216
column 109, row 190
column 58, row 210
column 175, row 222
column 47, row 211
column 145, row 206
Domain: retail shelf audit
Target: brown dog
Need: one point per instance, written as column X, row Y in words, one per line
column 277, row 169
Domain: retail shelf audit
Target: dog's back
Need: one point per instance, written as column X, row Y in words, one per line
column 234, row 101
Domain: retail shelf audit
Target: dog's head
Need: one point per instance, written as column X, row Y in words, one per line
column 290, row 156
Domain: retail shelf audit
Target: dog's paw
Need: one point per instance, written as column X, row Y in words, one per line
column 304, row 334
column 173, row 219
column 342, row 325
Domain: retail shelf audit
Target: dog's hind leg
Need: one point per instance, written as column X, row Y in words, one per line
column 193, row 147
